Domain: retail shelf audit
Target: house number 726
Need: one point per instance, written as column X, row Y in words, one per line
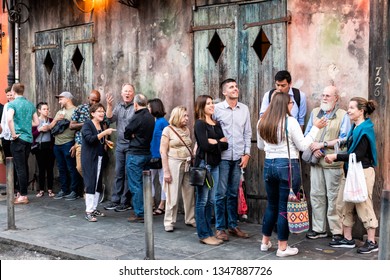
column 378, row 81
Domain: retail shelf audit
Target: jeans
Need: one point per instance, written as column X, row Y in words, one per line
column 276, row 178
column 205, row 203
column 226, row 194
column 135, row 164
column 120, row 192
column 20, row 151
column 65, row 164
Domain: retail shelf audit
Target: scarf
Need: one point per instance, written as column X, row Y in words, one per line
column 357, row 132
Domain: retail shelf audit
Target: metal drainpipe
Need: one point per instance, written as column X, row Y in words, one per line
column 17, row 52
column 148, row 214
column 10, row 193
column 384, row 232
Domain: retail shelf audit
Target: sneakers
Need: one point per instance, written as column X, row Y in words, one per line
column 169, row 228
column 238, row 232
column 315, row 235
column 368, row 247
column 337, row 237
column 221, row 235
column 122, row 208
column 265, row 247
column 111, row 206
column 97, row 213
column 72, row 196
column 342, row 243
column 288, row 252
column 60, row 195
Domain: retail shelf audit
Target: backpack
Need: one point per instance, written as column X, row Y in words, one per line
column 296, row 92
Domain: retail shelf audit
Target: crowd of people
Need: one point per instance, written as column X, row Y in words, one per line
column 77, row 139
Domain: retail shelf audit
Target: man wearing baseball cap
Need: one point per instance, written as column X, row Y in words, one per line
column 63, row 146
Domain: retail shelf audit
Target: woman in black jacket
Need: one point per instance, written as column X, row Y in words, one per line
column 211, row 142
column 94, row 139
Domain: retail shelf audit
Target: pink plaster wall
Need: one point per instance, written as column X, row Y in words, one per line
column 328, row 43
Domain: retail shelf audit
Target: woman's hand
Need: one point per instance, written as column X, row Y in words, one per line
column 321, row 123
column 330, row 158
column 212, row 141
column 224, row 139
column 167, row 177
column 108, row 131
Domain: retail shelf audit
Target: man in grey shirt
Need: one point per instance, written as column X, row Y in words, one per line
column 234, row 118
column 122, row 113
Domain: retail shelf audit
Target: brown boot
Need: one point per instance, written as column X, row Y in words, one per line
column 238, row 232
column 209, row 241
column 221, row 235
column 218, row 240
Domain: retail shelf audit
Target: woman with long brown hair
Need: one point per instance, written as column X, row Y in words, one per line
column 211, row 142
column 275, row 128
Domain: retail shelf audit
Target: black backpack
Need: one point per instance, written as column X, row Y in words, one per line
column 296, row 92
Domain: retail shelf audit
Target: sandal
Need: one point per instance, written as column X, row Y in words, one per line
column 40, row 194
column 158, row 212
column 50, row 193
column 90, row 217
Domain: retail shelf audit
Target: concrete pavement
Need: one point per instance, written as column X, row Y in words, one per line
column 59, row 227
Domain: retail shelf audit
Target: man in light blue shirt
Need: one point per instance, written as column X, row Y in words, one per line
column 234, row 118
column 283, row 84
column 325, row 179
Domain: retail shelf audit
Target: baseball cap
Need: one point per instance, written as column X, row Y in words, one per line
column 65, row 94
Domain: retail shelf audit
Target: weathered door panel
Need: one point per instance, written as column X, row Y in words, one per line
column 78, row 61
column 262, row 52
column 239, row 26
column 208, row 73
column 64, row 62
column 48, row 66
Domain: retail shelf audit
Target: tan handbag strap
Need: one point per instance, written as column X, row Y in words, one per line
column 182, row 140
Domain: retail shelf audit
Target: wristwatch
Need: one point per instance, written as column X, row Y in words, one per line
column 325, row 144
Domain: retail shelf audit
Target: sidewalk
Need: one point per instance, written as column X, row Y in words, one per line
column 59, row 226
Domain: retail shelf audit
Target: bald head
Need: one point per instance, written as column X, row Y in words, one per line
column 331, row 90
column 330, row 96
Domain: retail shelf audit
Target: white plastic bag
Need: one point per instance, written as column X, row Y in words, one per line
column 355, row 189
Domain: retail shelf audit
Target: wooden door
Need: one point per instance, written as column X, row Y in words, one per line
column 246, row 42
column 64, row 62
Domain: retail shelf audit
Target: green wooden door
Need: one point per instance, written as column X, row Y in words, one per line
column 246, row 42
column 64, row 62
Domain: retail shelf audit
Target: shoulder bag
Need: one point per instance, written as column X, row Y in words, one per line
column 297, row 210
column 199, row 176
column 355, row 189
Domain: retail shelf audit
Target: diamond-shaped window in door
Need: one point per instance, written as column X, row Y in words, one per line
column 48, row 62
column 77, row 58
column 216, row 47
column 261, row 44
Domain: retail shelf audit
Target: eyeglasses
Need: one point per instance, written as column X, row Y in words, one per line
column 291, row 102
column 99, row 111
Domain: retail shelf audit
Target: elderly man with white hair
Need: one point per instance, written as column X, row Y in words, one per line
column 326, row 178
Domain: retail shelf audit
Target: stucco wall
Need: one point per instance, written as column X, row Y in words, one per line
column 328, row 42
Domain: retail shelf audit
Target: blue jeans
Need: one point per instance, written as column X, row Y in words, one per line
column 226, row 194
column 120, row 192
column 65, row 164
column 276, row 176
column 135, row 164
column 205, row 203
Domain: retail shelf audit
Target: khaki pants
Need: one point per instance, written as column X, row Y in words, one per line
column 365, row 210
column 180, row 182
column 325, row 185
column 78, row 159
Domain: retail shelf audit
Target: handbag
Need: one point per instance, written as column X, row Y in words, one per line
column 355, row 189
column 155, row 163
column 199, row 176
column 242, row 206
column 297, row 210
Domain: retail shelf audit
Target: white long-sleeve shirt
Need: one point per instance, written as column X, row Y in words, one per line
column 6, row 133
column 297, row 141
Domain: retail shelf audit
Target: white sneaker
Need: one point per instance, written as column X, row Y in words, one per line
column 288, row 252
column 265, row 247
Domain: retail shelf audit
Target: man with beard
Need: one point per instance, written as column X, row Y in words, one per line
column 326, row 178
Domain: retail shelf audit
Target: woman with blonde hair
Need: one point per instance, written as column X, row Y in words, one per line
column 175, row 150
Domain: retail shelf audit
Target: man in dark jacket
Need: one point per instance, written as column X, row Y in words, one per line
column 139, row 132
